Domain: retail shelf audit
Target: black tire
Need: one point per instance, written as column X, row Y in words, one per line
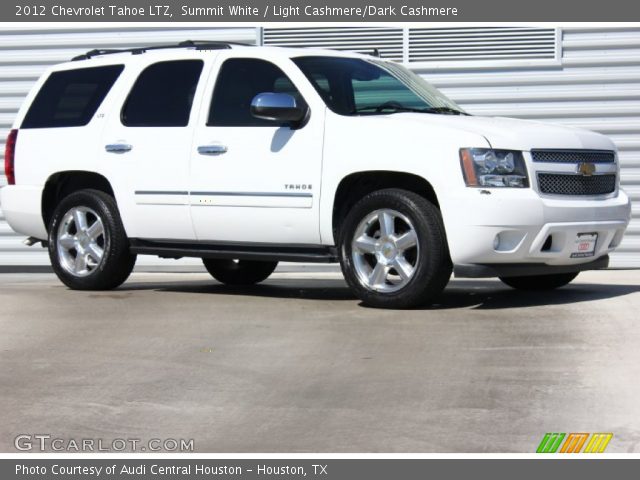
column 239, row 272
column 117, row 261
column 540, row 282
column 432, row 268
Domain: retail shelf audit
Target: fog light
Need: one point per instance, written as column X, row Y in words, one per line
column 508, row 240
column 496, row 242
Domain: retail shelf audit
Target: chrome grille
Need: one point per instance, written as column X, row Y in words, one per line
column 570, row 184
column 573, row 156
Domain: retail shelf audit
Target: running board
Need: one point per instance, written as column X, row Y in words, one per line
column 238, row 251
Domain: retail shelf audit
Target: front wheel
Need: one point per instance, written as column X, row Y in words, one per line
column 88, row 246
column 239, row 272
column 540, row 282
column 393, row 250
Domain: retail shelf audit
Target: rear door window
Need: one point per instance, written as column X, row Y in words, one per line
column 70, row 98
column 162, row 95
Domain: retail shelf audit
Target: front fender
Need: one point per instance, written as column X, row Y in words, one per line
column 388, row 143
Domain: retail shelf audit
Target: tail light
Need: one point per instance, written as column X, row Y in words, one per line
column 10, row 157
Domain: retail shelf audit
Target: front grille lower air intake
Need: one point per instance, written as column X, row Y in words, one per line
column 572, row 184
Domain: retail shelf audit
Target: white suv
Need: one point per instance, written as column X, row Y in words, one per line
column 246, row 156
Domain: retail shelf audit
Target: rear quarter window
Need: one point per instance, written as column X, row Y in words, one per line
column 70, row 98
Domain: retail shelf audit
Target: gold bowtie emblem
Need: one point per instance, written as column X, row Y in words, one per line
column 586, row 169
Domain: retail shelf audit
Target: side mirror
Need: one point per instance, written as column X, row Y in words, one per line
column 279, row 107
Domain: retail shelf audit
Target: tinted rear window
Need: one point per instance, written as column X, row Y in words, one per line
column 162, row 95
column 70, row 98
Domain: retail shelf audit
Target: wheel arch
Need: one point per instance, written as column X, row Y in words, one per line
column 61, row 184
column 358, row 184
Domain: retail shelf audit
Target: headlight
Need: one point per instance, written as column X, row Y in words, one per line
column 486, row 167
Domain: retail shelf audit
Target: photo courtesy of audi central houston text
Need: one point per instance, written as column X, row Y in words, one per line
column 320, row 238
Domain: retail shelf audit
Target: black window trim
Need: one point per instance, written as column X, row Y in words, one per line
column 191, row 110
column 269, row 125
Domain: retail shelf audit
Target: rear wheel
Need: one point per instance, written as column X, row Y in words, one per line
column 540, row 282
column 88, row 247
column 239, row 272
column 393, row 250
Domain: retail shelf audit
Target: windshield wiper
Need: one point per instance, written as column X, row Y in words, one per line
column 393, row 107
column 450, row 110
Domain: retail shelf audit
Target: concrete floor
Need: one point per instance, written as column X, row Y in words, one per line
column 298, row 365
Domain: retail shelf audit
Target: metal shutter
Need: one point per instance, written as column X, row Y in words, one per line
column 25, row 52
column 416, row 45
column 481, row 43
column 388, row 41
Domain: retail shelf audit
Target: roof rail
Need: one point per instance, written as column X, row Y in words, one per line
column 196, row 44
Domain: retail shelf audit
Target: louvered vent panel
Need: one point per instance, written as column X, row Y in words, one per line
column 481, row 43
column 388, row 41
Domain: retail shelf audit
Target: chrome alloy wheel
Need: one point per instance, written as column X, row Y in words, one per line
column 385, row 251
column 80, row 241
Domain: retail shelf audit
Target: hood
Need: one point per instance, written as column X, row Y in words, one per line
column 514, row 134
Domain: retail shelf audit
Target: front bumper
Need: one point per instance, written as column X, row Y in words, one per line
column 525, row 269
column 519, row 227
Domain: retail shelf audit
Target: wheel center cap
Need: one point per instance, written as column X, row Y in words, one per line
column 387, row 252
column 83, row 239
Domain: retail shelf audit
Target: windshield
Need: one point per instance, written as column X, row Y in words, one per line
column 353, row 86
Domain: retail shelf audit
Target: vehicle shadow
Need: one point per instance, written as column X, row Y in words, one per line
column 481, row 295
column 494, row 295
column 320, row 289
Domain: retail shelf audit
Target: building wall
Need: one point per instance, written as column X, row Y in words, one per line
column 595, row 84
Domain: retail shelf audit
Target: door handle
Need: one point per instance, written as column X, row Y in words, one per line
column 118, row 148
column 212, row 149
